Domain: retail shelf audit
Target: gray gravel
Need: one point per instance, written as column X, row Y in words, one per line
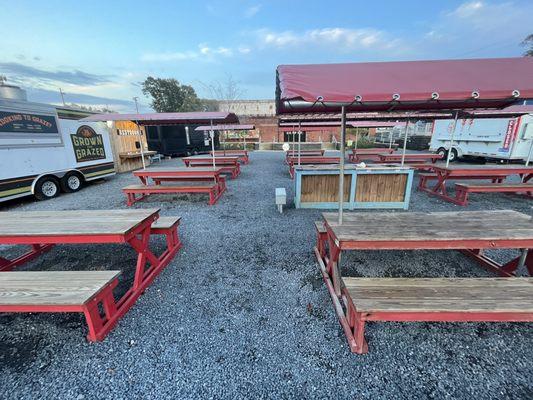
column 242, row 312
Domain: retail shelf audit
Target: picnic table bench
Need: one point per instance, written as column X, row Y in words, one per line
column 469, row 232
column 62, row 291
column 410, row 157
column 434, row 299
column 229, row 165
column 241, row 154
column 463, row 189
column 494, row 173
column 303, row 153
column 309, row 160
column 43, row 229
column 369, row 154
column 215, row 183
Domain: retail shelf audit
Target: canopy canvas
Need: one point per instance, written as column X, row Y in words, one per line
column 234, row 127
column 176, row 118
column 404, row 85
column 412, row 86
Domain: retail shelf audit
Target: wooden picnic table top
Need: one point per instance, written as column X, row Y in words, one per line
column 52, row 287
column 309, row 159
column 373, row 151
column 70, row 223
column 483, row 169
column 413, row 156
column 363, row 230
column 178, row 171
column 350, row 167
column 210, row 158
column 234, row 151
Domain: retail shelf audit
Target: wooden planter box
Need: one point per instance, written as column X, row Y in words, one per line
column 317, row 186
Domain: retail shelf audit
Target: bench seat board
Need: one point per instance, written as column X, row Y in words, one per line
column 487, row 295
column 496, row 186
column 42, row 288
column 165, row 222
column 149, row 188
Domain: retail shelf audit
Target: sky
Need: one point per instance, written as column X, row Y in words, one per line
column 98, row 52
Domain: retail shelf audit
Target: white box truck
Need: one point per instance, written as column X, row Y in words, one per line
column 43, row 155
column 508, row 138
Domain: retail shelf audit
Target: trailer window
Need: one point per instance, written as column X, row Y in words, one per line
column 527, row 132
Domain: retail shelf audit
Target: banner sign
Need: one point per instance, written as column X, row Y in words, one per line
column 13, row 122
column 88, row 145
column 509, row 135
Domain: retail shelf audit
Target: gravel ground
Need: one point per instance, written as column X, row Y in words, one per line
column 242, row 312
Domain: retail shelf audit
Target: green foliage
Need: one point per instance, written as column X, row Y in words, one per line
column 528, row 41
column 168, row 95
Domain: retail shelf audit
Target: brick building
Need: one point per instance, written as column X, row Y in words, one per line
column 261, row 113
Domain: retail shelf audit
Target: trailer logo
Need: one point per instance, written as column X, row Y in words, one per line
column 509, row 135
column 27, row 123
column 87, row 144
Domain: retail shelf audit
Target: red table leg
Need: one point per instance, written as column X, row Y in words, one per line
column 508, row 269
column 36, row 250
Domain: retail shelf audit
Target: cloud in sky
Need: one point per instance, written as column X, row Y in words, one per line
column 75, row 77
column 252, row 11
column 335, row 39
column 204, row 52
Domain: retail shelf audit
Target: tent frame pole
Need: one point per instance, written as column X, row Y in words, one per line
column 212, row 136
column 341, row 164
column 452, row 138
column 405, row 141
column 299, row 141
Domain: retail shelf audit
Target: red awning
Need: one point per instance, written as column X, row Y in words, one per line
column 168, row 118
column 406, row 85
column 318, row 126
column 225, row 128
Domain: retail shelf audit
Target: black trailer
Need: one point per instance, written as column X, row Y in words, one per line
column 177, row 140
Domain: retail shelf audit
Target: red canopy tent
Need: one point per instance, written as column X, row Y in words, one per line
column 401, row 86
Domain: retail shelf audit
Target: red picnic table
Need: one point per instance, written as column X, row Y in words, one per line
column 227, row 164
column 309, row 160
column 495, row 173
column 312, row 153
column 469, row 232
column 370, row 154
column 179, row 174
column 410, row 157
column 43, row 229
column 241, row 154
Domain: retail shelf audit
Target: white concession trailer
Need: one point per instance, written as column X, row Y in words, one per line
column 43, row 155
column 507, row 138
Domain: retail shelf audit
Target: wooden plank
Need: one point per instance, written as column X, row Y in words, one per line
column 52, row 287
column 71, row 223
column 168, row 187
column 441, row 294
column 176, row 170
column 323, row 188
column 380, row 187
column 165, row 222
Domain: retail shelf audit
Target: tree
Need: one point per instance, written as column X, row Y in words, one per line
column 226, row 92
column 528, row 41
column 168, row 95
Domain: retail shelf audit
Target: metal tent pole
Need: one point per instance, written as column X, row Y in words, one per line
column 451, row 138
column 299, row 141
column 140, row 133
column 212, row 135
column 341, row 164
column 356, row 136
column 405, row 141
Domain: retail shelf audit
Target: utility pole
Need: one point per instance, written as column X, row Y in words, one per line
column 135, row 99
column 62, row 96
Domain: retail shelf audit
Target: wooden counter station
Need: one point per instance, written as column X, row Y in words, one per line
column 376, row 186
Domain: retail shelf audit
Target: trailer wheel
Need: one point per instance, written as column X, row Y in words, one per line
column 71, row 182
column 442, row 152
column 453, row 155
column 46, row 188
